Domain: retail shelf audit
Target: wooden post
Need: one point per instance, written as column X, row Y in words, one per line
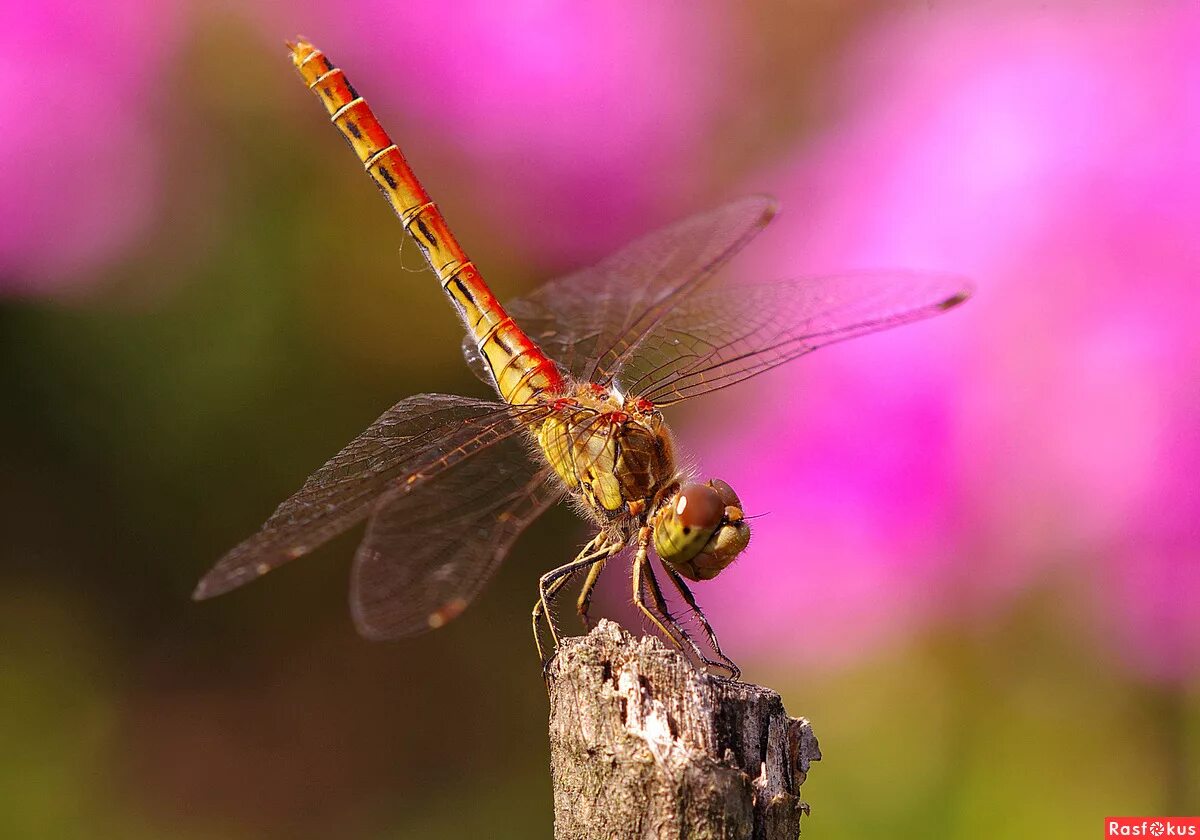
column 642, row 745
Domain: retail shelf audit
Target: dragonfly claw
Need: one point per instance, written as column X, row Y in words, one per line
column 723, row 670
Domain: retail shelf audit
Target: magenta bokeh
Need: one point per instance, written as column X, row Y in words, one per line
column 1050, row 423
column 84, row 84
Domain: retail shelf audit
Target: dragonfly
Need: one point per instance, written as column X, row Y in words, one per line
column 583, row 368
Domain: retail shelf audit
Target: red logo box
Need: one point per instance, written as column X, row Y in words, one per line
column 1152, row 827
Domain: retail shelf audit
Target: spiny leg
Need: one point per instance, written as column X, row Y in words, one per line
column 641, row 567
column 587, row 555
column 678, row 634
column 726, row 663
column 550, row 583
column 539, row 610
column 585, row 594
column 544, row 599
column 548, row 586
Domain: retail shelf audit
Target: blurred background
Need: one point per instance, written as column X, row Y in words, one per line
column 978, row 574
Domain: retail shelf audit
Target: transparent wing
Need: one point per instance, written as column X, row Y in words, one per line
column 416, row 439
column 588, row 321
column 430, row 548
column 718, row 337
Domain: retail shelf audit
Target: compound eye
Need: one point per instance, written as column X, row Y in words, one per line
column 699, row 506
column 725, row 492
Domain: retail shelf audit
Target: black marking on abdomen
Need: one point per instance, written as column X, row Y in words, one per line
column 464, row 291
column 353, row 129
column 514, row 359
column 426, row 232
column 387, row 176
column 504, row 345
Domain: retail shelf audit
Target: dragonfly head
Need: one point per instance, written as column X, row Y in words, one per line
column 701, row 530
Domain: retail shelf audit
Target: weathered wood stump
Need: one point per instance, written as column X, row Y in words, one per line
column 642, row 745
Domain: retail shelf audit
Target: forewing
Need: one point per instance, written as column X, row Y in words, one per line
column 722, row 336
column 416, row 439
column 589, row 320
column 431, row 547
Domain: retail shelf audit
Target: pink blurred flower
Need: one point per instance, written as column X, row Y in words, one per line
column 80, row 173
column 602, row 108
column 1052, row 155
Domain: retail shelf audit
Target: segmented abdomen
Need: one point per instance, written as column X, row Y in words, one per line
column 521, row 370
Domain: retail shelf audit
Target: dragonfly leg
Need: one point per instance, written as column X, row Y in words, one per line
column 585, row 594
column 547, row 595
column 679, row 635
column 643, row 572
column 726, row 664
column 550, row 583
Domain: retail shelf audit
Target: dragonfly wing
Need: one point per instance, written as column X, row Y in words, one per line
column 414, row 440
column 476, row 362
column 722, row 336
column 430, row 548
column 588, row 321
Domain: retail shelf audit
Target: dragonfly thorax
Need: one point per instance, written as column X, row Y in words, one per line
column 615, row 454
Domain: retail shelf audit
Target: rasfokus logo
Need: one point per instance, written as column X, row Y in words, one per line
column 1152, row 826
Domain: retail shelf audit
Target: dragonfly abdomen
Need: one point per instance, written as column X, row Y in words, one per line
column 519, row 367
column 520, row 370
